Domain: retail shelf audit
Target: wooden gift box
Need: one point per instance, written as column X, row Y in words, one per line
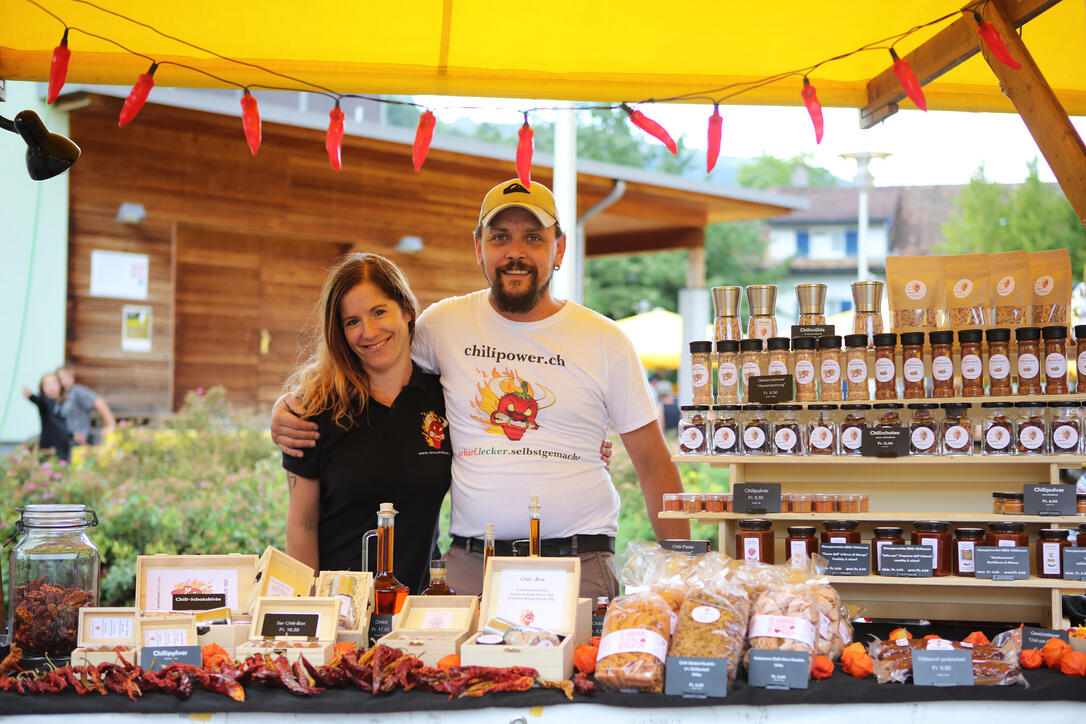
column 105, row 627
column 227, row 635
column 159, row 577
column 362, row 596
column 572, row 618
column 166, row 630
column 318, row 649
column 277, row 574
column 430, row 627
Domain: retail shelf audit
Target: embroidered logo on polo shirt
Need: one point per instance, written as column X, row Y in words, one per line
column 433, row 429
column 509, row 405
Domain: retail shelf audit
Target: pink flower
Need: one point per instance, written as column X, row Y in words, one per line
column 31, row 486
column 199, row 390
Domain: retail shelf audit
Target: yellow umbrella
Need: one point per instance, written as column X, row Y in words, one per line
column 657, row 336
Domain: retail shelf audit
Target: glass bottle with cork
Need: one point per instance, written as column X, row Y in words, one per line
column 972, row 366
column 701, row 372
column 912, row 365
column 535, row 542
column 388, row 593
column 439, row 585
column 999, row 362
column 886, row 366
column 762, row 302
column 805, row 373
column 811, row 300
column 867, row 296
column 856, row 373
column 488, row 544
column 942, row 363
column 726, row 309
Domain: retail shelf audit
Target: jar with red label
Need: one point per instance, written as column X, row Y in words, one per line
column 1050, row 545
column 803, row 369
column 956, row 429
column 779, row 358
column 701, row 372
column 788, row 431
column 822, row 429
column 1080, row 356
column 972, row 365
column 841, row 531
column 1029, row 360
column 1055, row 359
column 801, row 542
column 1010, row 534
column 923, row 430
column 725, row 430
column 966, row 541
column 754, row 540
column 886, row 366
column 829, row 367
column 936, row 535
column 727, row 372
column 757, row 430
column 912, row 365
column 856, row 373
column 692, row 430
column 999, row 362
column 1064, row 426
column 1031, row 431
column 942, row 363
column 889, row 535
column 751, row 362
column 853, row 424
column 997, row 430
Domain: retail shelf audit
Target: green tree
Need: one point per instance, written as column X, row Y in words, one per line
column 767, row 172
column 1032, row 216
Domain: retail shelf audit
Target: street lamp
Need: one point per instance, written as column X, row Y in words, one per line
column 863, row 182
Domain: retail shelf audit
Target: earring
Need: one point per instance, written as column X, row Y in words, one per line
column 557, row 267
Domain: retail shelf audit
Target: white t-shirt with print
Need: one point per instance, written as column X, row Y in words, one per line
column 528, row 404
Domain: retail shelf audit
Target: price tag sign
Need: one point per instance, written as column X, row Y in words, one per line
column 907, row 561
column 769, row 389
column 198, row 601
column 847, row 559
column 812, row 330
column 1049, row 500
column 380, row 624
column 757, row 498
column 1002, row 563
column 1036, row 638
column 153, row 658
column 597, row 624
column 693, row 678
column 888, row 442
column 290, row 624
column 779, row 669
column 681, row 545
column 1074, row 563
column 943, row 668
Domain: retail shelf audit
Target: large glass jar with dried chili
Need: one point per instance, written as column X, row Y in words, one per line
column 53, row 573
column 912, row 364
column 972, row 364
column 1029, row 360
column 942, row 363
column 999, row 362
column 886, row 366
column 1055, row 359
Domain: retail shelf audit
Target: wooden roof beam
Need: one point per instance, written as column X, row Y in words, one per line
column 952, row 46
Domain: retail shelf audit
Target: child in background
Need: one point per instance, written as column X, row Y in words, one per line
column 54, row 430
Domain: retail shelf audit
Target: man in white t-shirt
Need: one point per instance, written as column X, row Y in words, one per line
column 530, row 384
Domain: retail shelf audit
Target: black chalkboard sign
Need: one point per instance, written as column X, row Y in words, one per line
column 847, row 559
column 380, row 624
column 756, row 498
column 198, row 601
column 1049, row 500
column 683, row 545
column 812, row 330
column 1036, row 638
column 290, row 624
column 1074, row 563
column 694, row 678
column 1003, row 563
column 779, row 669
column 906, row 561
column 769, row 389
column 885, row 442
column 153, row 658
column 943, row 668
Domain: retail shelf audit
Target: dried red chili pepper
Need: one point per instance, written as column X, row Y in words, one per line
column 423, row 134
column 74, row 678
column 333, row 140
column 221, row 683
column 138, row 95
column 994, row 41
column 524, row 153
column 582, row 684
column 908, row 81
column 58, row 68
column 250, row 121
column 330, row 677
column 651, row 127
column 814, row 108
column 286, row 677
column 11, row 661
column 46, row 616
column 716, row 129
column 6, row 683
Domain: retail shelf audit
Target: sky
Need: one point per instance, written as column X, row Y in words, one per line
column 937, row 147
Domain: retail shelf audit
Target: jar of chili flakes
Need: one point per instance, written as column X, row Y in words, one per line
column 1055, row 359
column 997, row 429
column 923, row 434
column 912, row 364
column 942, row 363
column 972, row 365
column 757, row 432
column 788, row 431
column 778, row 356
column 856, row 373
column 1065, row 426
column 1031, row 434
column 692, row 430
column 886, row 366
column 956, row 429
column 804, row 370
column 725, row 427
column 829, row 366
column 999, row 362
column 822, row 430
column 853, row 424
column 1029, row 363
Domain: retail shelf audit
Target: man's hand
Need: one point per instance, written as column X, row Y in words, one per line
column 606, row 453
column 290, row 433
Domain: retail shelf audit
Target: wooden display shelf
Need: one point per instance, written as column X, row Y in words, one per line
column 877, row 517
column 1063, row 461
column 1044, row 399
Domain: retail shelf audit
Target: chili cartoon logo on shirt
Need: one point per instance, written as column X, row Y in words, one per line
column 508, row 405
column 433, row 429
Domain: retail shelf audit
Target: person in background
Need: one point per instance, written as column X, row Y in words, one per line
column 77, row 402
column 54, row 430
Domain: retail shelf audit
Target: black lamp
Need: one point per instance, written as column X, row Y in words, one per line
column 47, row 154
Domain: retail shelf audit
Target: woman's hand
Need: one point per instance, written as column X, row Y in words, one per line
column 290, row 433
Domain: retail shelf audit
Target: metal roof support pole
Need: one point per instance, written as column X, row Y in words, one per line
column 569, row 280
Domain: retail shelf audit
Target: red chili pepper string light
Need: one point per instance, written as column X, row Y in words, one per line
column 138, row 95
column 651, row 127
column 58, row 69
column 334, row 140
column 423, row 135
column 716, row 128
column 908, row 81
column 524, row 154
column 810, row 99
column 250, row 121
column 994, row 41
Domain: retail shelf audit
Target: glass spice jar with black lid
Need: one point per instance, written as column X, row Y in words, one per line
column 822, row 429
column 725, row 430
column 853, row 423
column 923, row 430
column 788, row 431
column 886, row 366
column 1031, row 430
column 999, row 362
column 804, row 369
column 751, row 362
column 692, row 429
column 840, row 531
column 972, row 366
column 1029, row 360
column 912, row 365
column 856, row 372
column 779, row 358
column 1014, row 503
column 829, row 367
column 1080, row 356
column 936, row 535
column 997, row 429
column 757, row 430
column 942, row 363
column 727, row 371
column 1064, row 426
column 701, row 372
column 956, row 429
column 801, row 541
column 1055, row 351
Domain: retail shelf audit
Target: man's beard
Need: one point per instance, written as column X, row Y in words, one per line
column 522, row 302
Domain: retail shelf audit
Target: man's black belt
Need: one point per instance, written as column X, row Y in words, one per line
column 574, row 545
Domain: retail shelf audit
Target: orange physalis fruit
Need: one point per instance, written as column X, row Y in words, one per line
column 448, row 661
column 977, row 638
column 899, row 633
column 1031, row 659
column 584, row 658
column 594, row 641
column 853, row 649
column 858, row 665
column 822, row 668
column 1074, row 664
column 213, row 656
column 1053, row 652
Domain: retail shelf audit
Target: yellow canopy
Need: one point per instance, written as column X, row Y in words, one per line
column 570, row 49
column 657, row 336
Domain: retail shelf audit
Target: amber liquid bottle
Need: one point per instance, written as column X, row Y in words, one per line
column 388, row 593
column 488, row 545
column 439, row 586
column 535, row 543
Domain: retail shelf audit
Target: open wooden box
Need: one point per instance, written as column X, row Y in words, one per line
column 168, row 629
column 277, row 614
column 110, row 627
column 539, row 592
column 277, row 574
column 360, row 584
column 430, row 627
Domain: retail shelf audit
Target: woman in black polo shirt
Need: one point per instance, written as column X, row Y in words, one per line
column 383, row 432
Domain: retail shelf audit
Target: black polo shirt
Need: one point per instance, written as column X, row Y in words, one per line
column 390, row 455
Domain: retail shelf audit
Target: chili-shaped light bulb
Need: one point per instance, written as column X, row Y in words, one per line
column 814, row 108
column 524, row 154
column 423, row 135
column 250, row 121
column 994, row 41
column 138, row 95
column 716, row 128
column 907, row 78
column 333, row 141
column 651, row 127
column 58, row 69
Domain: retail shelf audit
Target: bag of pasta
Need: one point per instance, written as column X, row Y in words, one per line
column 713, row 624
column 834, row 630
column 633, row 646
column 784, row 618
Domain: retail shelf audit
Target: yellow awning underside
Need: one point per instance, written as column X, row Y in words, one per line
column 569, row 49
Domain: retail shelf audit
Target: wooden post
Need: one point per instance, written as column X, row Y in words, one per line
column 1041, row 110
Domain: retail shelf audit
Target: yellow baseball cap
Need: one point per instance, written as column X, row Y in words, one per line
column 538, row 199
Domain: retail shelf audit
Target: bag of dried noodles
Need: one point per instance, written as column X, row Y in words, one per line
column 713, row 624
column 784, row 618
column 633, row 646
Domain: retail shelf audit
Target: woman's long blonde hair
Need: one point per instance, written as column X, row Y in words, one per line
column 333, row 378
